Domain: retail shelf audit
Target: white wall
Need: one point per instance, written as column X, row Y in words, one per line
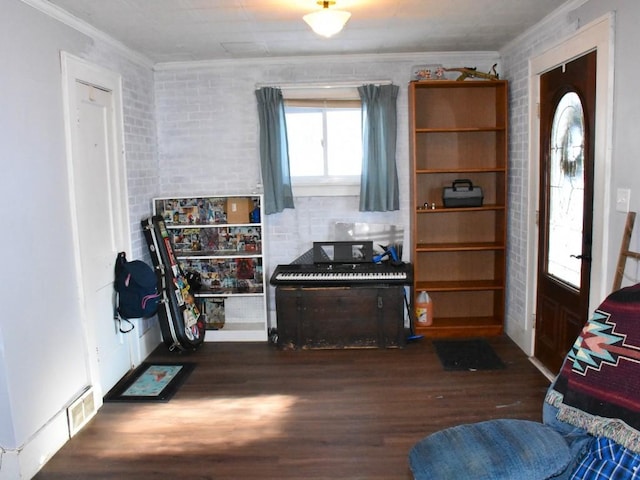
column 42, row 344
column 208, row 136
column 40, row 320
column 625, row 143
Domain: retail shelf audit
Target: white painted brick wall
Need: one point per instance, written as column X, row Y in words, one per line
column 515, row 59
column 208, row 138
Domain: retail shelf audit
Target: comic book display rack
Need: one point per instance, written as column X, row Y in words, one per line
column 218, row 241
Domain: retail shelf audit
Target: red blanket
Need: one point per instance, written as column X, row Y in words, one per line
column 598, row 387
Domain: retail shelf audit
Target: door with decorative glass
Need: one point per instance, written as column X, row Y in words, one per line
column 567, row 119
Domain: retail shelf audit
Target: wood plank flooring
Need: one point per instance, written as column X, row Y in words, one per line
column 250, row 411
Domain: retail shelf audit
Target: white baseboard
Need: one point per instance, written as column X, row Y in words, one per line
column 544, row 370
column 26, row 461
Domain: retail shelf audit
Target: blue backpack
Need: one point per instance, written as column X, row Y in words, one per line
column 136, row 286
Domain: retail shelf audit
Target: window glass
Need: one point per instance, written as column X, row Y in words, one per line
column 325, row 140
column 304, row 135
column 344, row 142
column 566, row 190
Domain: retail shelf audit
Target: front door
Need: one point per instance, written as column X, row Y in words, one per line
column 567, row 122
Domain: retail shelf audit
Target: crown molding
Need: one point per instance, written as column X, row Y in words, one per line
column 81, row 26
column 564, row 9
column 416, row 57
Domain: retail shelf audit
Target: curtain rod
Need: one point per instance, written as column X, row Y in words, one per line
column 291, row 86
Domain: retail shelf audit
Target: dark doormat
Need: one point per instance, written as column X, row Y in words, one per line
column 467, row 355
column 151, row 382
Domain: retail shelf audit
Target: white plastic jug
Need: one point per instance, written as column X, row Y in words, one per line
column 424, row 309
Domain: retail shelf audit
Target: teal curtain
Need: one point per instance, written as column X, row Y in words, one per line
column 274, row 151
column 379, row 181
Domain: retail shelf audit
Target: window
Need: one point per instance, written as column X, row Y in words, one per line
column 566, row 190
column 325, row 142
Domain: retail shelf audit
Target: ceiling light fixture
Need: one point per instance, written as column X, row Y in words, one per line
column 327, row 22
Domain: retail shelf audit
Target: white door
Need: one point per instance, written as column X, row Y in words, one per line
column 99, row 198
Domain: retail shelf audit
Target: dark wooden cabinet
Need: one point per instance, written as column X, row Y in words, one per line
column 340, row 317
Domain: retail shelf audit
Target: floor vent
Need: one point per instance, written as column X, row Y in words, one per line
column 81, row 411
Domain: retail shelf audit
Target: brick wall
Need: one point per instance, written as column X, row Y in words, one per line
column 516, row 58
column 208, row 136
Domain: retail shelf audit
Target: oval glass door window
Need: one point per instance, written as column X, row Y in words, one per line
column 566, row 192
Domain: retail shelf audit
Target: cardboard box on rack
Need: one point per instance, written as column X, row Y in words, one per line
column 238, row 209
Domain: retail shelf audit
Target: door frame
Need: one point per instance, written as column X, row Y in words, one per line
column 598, row 35
column 75, row 69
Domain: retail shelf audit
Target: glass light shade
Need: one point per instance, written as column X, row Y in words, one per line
column 327, row 22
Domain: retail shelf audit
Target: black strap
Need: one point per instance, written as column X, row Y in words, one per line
column 119, row 319
column 131, row 325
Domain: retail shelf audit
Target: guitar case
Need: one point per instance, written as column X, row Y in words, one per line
column 181, row 324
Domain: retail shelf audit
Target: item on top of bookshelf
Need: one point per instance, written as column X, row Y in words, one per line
column 428, row 72
column 472, row 72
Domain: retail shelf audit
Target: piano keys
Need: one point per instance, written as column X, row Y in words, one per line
column 342, row 274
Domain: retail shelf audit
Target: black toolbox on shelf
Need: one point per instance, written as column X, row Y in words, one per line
column 462, row 193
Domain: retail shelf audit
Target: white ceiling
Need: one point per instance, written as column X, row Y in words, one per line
column 195, row 30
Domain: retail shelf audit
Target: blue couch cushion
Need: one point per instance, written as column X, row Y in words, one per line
column 494, row 450
column 607, row 460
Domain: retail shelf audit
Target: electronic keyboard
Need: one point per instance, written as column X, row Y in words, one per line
column 343, row 274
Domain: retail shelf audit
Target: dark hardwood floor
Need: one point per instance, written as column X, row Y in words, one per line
column 250, row 411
